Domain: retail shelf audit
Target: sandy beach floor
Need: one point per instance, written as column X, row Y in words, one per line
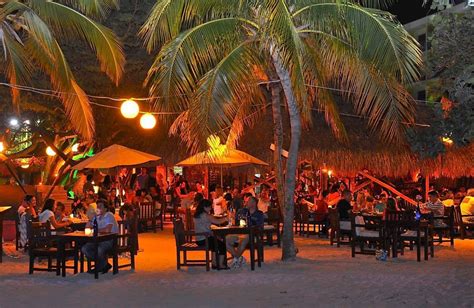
column 323, row 276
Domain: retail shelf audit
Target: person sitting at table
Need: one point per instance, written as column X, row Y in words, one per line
column 59, row 211
column 47, row 214
column 26, row 211
column 264, row 199
column 321, row 206
column 381, row 202
column 218, row 203
column 91, row 207
column 343, row 207
column 237, row 201
column 202, row 224
column 392, row 206
column 448, row 198
column 236, row 244
column 467, row 206
column 106, row 224
column 369, row 204
column 436, row 207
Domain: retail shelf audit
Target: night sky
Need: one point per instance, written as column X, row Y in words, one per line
column 409, row 10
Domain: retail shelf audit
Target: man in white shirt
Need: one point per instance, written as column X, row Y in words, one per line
column 467, row 206
column 106, row 224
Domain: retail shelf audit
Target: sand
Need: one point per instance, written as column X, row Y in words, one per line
column 322, row 276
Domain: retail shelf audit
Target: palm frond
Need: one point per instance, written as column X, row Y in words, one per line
column 75, row 101
column 223, row 91
column 285, row 43
column 184, row 60
column 69, row 22
column 93, row 8
column 18, row 67
column 374, row 34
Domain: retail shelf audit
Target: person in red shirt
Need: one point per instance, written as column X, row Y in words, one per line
column 321, row 205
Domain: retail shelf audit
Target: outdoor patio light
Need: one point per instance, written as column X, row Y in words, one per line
column 50, row 151
column 447, row 140
column 13, row 122
column 148, row 121
column 129, row 109
column 75, row 148
column 2, row 147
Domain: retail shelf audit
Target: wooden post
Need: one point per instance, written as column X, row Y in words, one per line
column 427, row 187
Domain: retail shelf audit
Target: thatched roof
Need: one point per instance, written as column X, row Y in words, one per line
column 364, row 150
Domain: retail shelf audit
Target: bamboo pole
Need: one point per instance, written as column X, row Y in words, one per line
column 390, row 188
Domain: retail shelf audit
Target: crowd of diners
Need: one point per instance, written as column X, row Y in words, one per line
column 374, row 199
column 104, row 204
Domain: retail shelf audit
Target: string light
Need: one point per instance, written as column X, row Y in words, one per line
column 75, row 148
column 147, row 121
column 50, row 151
column 2, row 147
column 129, row 109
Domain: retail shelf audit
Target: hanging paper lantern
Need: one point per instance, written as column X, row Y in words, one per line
column 148, row 121
column 129, row 109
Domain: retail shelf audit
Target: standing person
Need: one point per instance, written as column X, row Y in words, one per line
column 202, row 224
column 143, row 179
column 26, row 211
column 88, row 186
column 236, row 244
column 152, row 182
column 107, row 224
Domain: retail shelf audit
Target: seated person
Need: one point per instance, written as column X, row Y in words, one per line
column 467, row 206
column 321, row 206
column 448, row 198
column 369, row 204
column 47, row 214
column 436, row 207
column 106, row 224
column 91, row 207
column 202, row 224
column 26, row 211
column 59, row 211
column 391, row 206
column 236, row 244
column 343, row 207
column 381, row 203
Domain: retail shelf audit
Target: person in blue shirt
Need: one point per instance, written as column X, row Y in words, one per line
column 236, row 244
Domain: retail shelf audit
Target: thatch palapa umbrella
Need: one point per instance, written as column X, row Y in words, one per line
column 222, row 156
column 116, row 156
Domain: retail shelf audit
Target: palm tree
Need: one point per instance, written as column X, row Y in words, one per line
column 30, row 32
column 212, row 49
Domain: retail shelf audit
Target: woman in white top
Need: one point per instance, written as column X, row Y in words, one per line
column 47, row 214
column 218, row 202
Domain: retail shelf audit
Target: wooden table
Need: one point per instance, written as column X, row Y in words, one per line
column 3, row 211
column 80, row 238
column 222, row 232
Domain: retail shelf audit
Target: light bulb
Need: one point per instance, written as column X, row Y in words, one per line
column 129, row 109
column 148, row 121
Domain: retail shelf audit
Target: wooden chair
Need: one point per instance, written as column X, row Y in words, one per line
column 147, row 215
column 362, row 236
column 183, row 246
column 447, row 226
column 336, row 234
column 415, row 232
column 189, row 223
column 126, row 244
column 272, row 227
column 170, row 208
column 463, row 225
column 391, row 232
column 41, row 245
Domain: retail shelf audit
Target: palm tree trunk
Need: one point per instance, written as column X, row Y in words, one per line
column 288, row 244
column 275, row 89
